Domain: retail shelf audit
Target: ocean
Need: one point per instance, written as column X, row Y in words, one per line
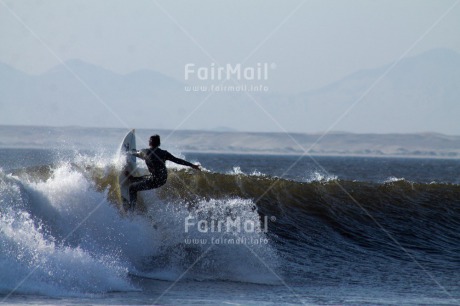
column 247, row 230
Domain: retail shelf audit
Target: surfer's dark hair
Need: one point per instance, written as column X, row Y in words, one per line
column 154, row 141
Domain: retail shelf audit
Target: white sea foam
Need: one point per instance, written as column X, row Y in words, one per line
column 47, row 245
column 393, row 179
column 236, row 171
column 61, row 237
column 211, row 260
column 320, row 177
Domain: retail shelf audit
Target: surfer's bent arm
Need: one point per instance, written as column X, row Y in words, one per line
column 136, row 153
column 179, row 161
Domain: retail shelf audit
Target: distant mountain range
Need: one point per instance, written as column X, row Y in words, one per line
column 75, row 94
column 419, row 94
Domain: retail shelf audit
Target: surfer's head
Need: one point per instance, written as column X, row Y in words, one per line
column 154, row 141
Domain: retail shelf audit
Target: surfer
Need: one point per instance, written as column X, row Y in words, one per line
column 155, row 159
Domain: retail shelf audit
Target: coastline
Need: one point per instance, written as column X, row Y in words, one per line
column 334, row 144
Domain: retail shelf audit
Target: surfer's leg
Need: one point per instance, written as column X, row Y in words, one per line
column 157, row 182
column 134, row 179
column 133, row 189
column 140, row 185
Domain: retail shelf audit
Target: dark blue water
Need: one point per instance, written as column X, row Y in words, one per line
column 341, row 230
column 368, row 169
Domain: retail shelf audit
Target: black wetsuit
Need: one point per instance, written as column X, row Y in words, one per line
column 155, row 160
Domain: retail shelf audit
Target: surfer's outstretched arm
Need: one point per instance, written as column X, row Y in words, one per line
column 182, row 162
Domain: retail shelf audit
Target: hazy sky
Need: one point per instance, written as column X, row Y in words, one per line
column 312, row 43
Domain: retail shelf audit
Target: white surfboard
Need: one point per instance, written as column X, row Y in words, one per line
column 129, row 166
